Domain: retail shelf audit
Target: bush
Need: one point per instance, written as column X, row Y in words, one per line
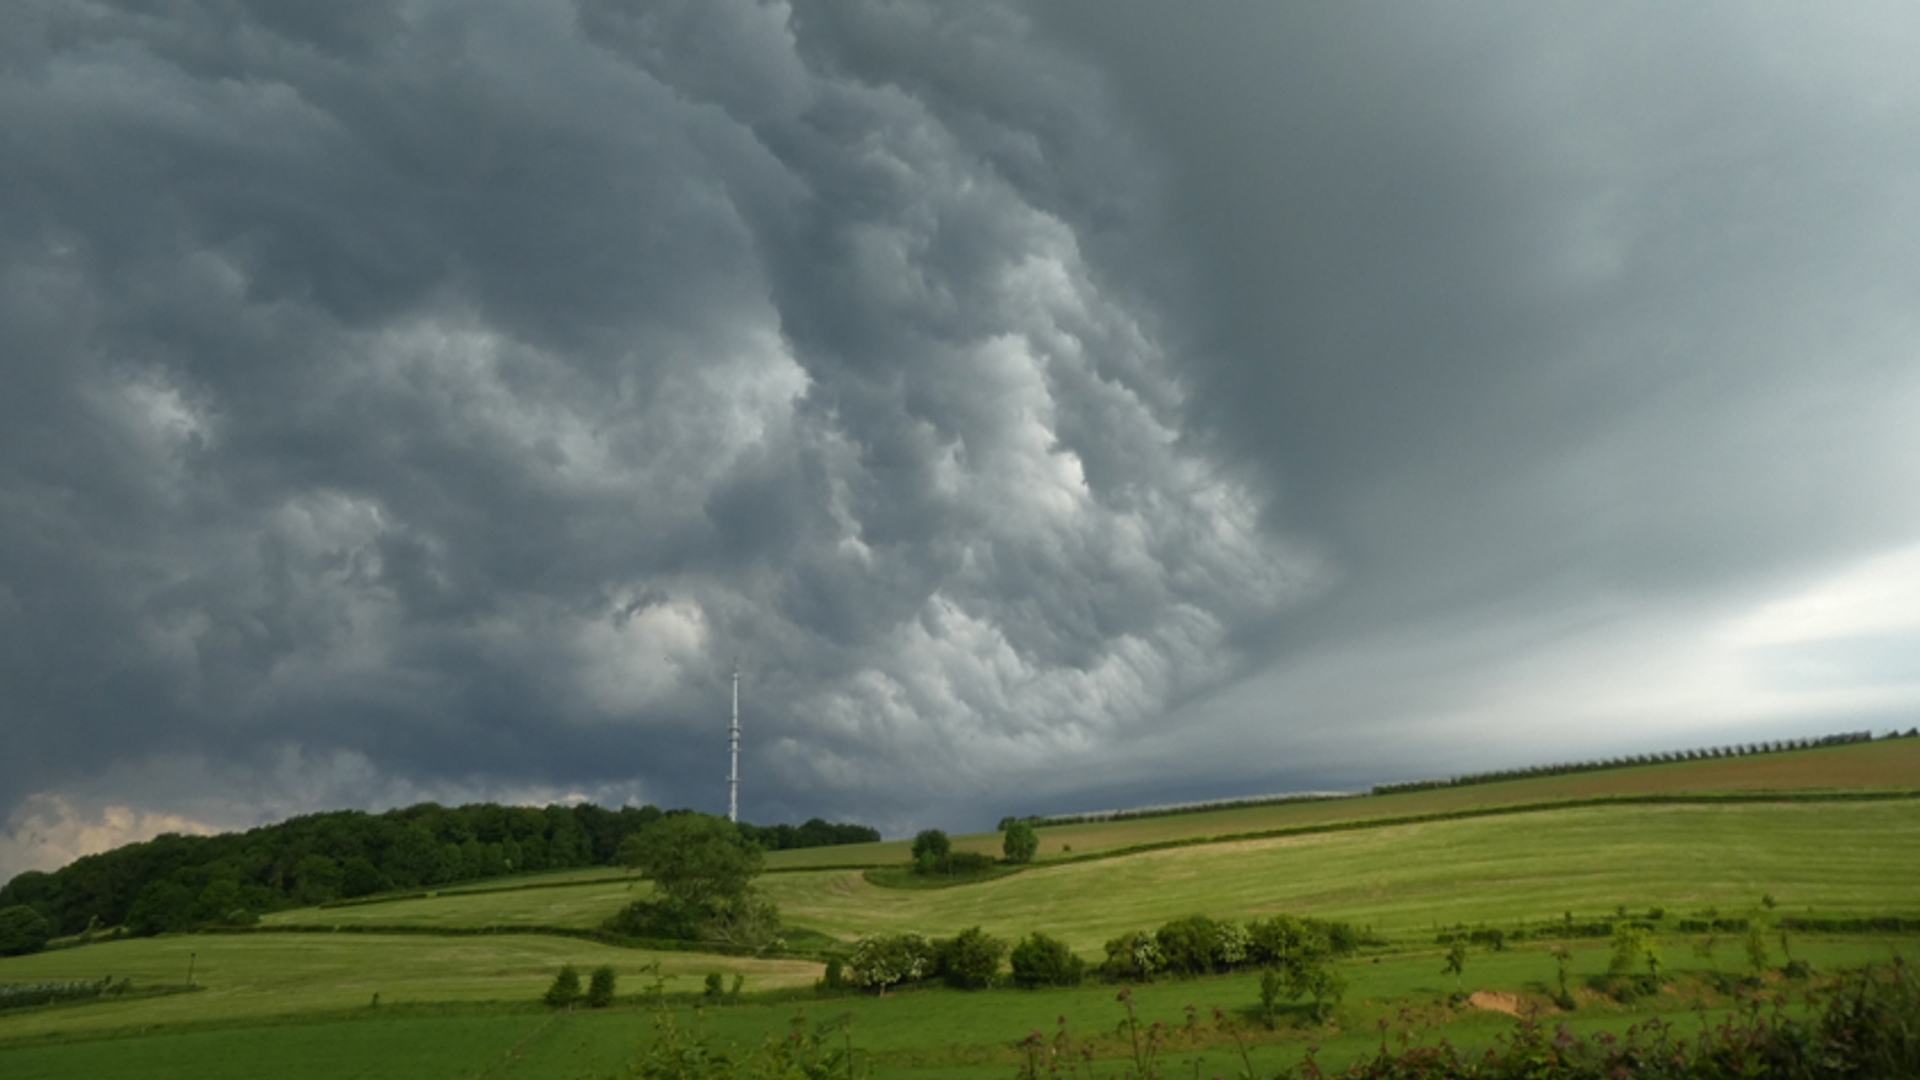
column 1133, row 957
column 22, row 930
column 565, row 989
column 931, row 849
column 600, row 987
column 880, row 962
column 971, row 960
column 1043, row 961
column 1189, row 946
column 835, row 977
column 1021, row 842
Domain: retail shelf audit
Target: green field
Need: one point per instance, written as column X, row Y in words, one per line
column 296, row 1004
column 1831, row 857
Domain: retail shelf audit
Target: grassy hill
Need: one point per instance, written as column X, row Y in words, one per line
column 1833, row 831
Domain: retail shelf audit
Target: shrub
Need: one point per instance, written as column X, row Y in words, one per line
column 835, row 977
column 931, row 848
column 1021, row 842
column 971, row 960
column 880, row 962
column 565, row 989
column 1189, row 946
column 600, row 987
column 1133, row 956
column 22, row 930
column 1039, row 960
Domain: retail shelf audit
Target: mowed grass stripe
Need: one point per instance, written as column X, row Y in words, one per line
column 1843, row 857
column 274, row 975
column 1884, row 766
column 1404, row 880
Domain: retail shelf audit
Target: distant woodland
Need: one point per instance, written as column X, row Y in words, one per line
column 175, row 882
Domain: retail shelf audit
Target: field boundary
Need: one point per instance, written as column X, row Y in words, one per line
column 1358, row 824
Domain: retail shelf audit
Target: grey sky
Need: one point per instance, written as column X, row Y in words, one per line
column 1060, row 406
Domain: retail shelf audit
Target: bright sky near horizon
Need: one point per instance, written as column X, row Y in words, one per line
column 1052, row 405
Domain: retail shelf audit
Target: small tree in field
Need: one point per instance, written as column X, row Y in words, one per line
column 1042, row 961
column 1456, row 965
column 565, row 989
column 600, row 987
column 971, row 960
column 1021, row 843
column 931, row 851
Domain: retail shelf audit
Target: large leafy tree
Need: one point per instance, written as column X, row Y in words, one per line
column 694, row 859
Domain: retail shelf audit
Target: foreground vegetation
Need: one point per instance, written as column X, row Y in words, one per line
column 1455, row 920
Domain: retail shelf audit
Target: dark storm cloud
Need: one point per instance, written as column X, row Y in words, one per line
column 430, row 400
column 1050, row 404
column 1578, row 332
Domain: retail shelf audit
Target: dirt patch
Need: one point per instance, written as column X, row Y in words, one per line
column 1494, row 1001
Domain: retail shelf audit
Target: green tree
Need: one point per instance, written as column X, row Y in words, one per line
column 565, row 989
column 22, row 930
column 1039, row 960
column 971, row 960
column 880, row 962
column 931, row 851
column 696, row 859
column 600, row 987
column 703, row 869
column 1456, row 965
column 1020, row 843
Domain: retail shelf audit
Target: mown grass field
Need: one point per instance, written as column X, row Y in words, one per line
column 927, row 1033
column 298, row 1004
column 273, row 976
column 1832, row 857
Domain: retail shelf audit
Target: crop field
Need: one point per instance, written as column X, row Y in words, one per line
column 296, row 1004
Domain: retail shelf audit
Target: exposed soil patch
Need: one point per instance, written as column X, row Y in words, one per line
column 1494, row 1001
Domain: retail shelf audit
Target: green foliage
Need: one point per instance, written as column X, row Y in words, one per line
column 971, row 960
column 696, row 859
column 600, row 987
column 1039, row 960
column 565, row 989
column 1272, row 986
column 1456, row 963
column 1021, row 842
column 1867, row 1025
column 703, row 869
column 932, row 851
column 881, row 962
column 1133, row 957
column 804, row 1053
column 1189, row 946
column 1755, row 943
column 22, row 930
column 1632, row 947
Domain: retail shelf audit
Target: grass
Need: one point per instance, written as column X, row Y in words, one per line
column 268, row 976
column 931, row 1033
column 1835, row 858
column 297, row 1005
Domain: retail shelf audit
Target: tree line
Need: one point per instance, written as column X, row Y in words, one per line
column 1707, row 754
column 175, row 882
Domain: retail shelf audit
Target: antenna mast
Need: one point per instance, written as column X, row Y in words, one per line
column 733, row 739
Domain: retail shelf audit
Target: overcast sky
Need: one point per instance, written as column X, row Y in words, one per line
column 1051, row 406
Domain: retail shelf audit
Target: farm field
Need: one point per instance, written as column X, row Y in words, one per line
column 250, row 977
column 1885, row 765
column 294, row 1004
column 927, row 1033
column 1833, row 857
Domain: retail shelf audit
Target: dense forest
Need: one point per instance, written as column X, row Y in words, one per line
column 174, row 882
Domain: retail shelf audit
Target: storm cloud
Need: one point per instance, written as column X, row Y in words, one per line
column 1045, row 406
